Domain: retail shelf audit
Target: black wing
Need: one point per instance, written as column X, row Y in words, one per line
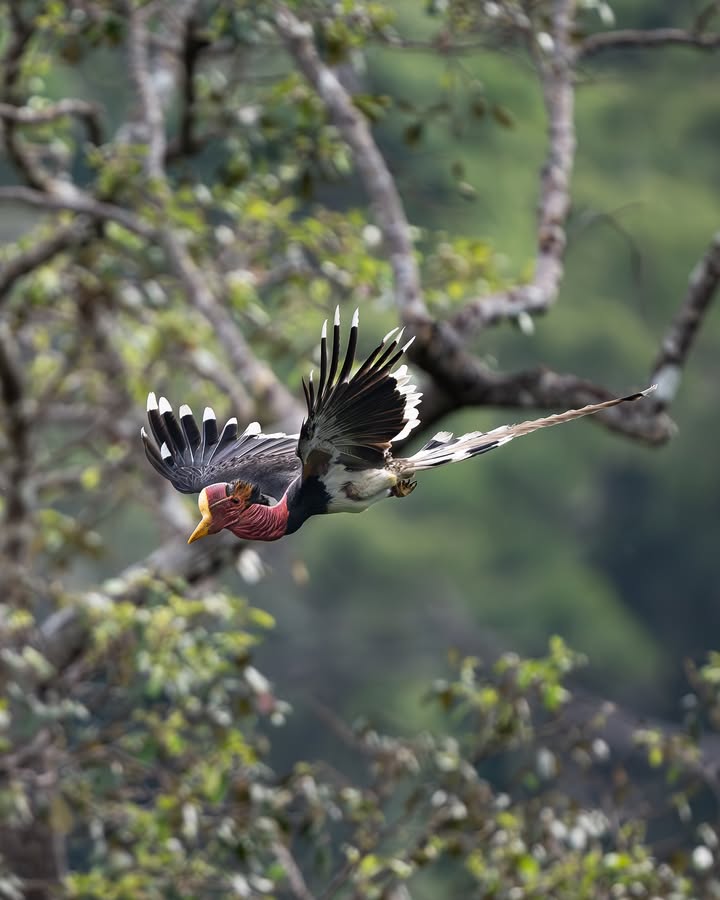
column 352, row 421
column 191, row 459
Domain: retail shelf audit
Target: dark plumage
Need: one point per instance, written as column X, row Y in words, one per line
column 192, row 460
column 263, row 486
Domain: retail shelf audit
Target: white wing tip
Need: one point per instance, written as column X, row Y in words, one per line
column 185, row 411
column 355, row 319
column 164, row 406
column 336, row 321
column 151, row 401
column 231, row 421
column 412, row 422
column 408, row 344
column 323, row 333
column 389, row 335
column 649, row 390
column 143, row 433
column 164, row 452
column 208, row 413
column 253, row 428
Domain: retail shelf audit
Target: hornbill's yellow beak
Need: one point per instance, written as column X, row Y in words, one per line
column 204, row 525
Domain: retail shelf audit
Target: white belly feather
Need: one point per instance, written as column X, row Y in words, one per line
column 354, row 491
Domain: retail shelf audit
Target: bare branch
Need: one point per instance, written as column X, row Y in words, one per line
column 208, row 366
column 19, row 502
column 41, row 251
column 458, row 378
column 638, row 38
column 27, row 115
column 542, row 388
column 294, row 874
column 19, row 37
column 192, row 45
column 151, row 111
column 68, row 197
column 277, row 402
column 373, row 170
column 683, row 329
column 557, row 78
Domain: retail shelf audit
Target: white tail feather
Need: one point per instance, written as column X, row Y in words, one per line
column 444, row 448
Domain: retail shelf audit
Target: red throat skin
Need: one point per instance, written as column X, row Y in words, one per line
column 262, row 523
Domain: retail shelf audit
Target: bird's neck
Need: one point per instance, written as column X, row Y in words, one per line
column 262, row 523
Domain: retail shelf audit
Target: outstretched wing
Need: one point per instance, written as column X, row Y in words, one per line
column 353, row 420
column 192, row 459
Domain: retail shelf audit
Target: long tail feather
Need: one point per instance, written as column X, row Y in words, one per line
column 445, row 448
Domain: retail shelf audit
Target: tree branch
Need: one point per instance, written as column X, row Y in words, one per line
column 373, row 170
column 540, row 388
column 89, row 113
column 191, row 47
column 41, row 251
column 62, row 195
column 151, row 112
column 277, row 403
column 637, row 38
column 19, row 502
column 294, row 874
column 557, row 78
column 681, row 334
column 17, row 44
column 64, row 634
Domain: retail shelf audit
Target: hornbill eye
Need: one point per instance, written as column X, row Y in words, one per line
column 229, row 492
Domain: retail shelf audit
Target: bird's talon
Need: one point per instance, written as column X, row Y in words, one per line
column 403, row 488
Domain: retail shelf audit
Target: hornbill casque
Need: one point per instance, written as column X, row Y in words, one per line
column 264, row 486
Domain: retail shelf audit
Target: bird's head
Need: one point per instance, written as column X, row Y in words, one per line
column 222, row 505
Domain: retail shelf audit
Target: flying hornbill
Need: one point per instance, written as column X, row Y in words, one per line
column 264, row 486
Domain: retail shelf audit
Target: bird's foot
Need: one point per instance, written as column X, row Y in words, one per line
column 403, row 488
